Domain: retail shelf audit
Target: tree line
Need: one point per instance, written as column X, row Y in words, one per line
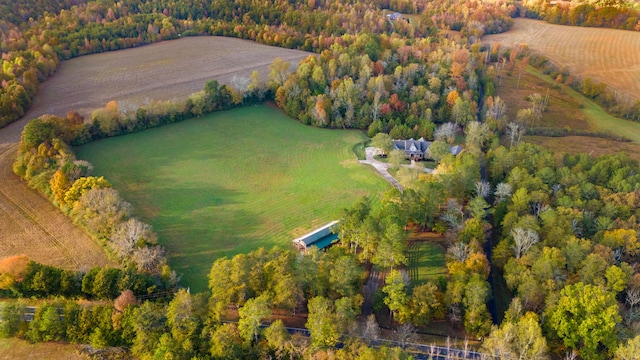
column 616, row 14
column 23, row 278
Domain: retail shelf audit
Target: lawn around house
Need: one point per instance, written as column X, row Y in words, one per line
column 233, row 181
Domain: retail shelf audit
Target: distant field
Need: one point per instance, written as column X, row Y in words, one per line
column 571, row 110
column 606, row 55
column 233, row 181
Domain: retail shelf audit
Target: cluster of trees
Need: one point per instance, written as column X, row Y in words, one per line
column 473, row 18
column 566, row 241
column 453, row 202
column 48, row 164
column 567, row 235
column 21, row 277
column 327, row 283
column 616, row 14
column 403, row 92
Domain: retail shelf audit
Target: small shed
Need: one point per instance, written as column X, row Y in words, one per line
column 320, row 238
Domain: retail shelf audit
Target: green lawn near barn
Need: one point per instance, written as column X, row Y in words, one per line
column 233, row 181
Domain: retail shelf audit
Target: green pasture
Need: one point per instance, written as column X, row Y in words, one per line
column 596, row 115
column 426, row 262
column 233, row 181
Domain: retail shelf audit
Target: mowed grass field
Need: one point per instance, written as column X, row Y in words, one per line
column 426, row 261
column 233, row 181
column 605, row 55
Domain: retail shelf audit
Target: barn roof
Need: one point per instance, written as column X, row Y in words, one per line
column 321, row 236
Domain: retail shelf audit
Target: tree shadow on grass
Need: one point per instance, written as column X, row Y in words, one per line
column 199, row 225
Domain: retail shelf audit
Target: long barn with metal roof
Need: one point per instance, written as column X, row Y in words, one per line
column 320, row 238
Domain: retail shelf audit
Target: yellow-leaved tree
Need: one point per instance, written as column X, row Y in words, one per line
column 59, row 185
column 81, row 186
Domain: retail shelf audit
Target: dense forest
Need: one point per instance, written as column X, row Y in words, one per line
column 35, row 43
column 616, row 14
column 559, row 233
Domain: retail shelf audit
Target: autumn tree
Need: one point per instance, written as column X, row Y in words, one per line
column 130, row 235
column 251, row 315
column 278, row 71
column 383, row 142
column 519, row 338
column 426, row 302
column 322, row 323
column 585, row 318
column 125, row 299
column 12, row 271
column 185, row 319
column 82, row 186
column 397, row 298
column 59, row 185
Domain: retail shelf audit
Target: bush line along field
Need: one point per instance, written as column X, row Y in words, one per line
column 605, row 55
column 233, row 181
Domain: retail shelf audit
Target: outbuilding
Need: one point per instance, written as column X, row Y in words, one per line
column 320, row 238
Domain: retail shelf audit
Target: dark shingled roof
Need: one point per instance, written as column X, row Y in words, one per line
column 412, row 147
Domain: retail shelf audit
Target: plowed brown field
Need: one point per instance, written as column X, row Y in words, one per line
column 29, row 224
column 606, row 55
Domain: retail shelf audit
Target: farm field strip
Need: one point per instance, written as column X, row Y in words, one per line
column 605, row 55
column 32, row 226
column 233, row 181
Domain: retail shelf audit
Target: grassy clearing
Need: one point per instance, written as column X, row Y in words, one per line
column 599, row 119
column 233, row 181
column 568, row 109
column 426, row 262
column 12, row 348
column 562, row 112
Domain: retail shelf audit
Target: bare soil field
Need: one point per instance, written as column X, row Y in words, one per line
column 29, row 224
column 605, row 55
